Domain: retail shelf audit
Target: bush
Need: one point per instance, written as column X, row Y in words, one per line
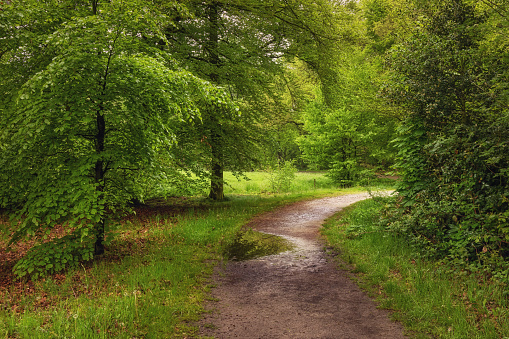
column 54, row 256
column 461, row 214
column 282, row 176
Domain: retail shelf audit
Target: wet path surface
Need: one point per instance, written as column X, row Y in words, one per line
column 295, row 294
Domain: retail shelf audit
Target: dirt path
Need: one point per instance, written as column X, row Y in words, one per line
column 296, row 294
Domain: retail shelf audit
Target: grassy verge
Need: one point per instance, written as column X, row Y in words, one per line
column 151, row 281
column 430, row 299
column 259, row 182
column 154, row 277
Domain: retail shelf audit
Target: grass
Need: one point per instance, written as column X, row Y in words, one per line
column 259, row 182
column 155, row 275
column 430, row 299
column 304, row 182
column 151, row 282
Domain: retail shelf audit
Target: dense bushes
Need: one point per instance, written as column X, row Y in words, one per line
column 453, row 146
column 461, row 210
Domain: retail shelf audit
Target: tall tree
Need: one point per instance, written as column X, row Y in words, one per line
column 229, row 45
column 243, row 46
column 83, row 117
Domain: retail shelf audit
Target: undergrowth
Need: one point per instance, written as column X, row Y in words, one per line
column 152, row 280
column 154, row 276
column 430, row 298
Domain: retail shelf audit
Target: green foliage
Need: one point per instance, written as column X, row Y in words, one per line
column 54, row 256
column 355, row 136
column 452, row 146
column 225, row 43
column 460, row 214
column 247, row 45
column 282, row 176
column 411, row 161
column 378, row 29
column 80, row 131
column 446, row 303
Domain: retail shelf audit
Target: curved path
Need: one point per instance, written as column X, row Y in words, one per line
column 295, row 294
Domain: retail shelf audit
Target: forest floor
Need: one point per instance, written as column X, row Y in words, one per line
column 300, row 293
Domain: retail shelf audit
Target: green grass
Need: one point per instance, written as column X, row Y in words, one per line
column 155, row 275
column 259, row 182
column 151, row 282
column 304, row 182
column 430, row 299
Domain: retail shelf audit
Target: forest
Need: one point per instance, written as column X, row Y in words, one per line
column 108, row 104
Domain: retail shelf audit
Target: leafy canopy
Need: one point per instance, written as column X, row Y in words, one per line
column 86, row 120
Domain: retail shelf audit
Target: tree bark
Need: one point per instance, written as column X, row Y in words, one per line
column 217, row 182
column 99, row 180
column 99, row 164
column 216, row 139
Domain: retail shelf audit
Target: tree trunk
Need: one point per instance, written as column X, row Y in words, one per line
column 100, row 168
column 216, row 139
column 99, row 180
column 216, row 183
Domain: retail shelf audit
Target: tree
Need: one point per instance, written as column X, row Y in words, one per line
column 317, row 31
column 244, row 46
column 355, row 136
column 229, row 45
column 84, row 119
column 451, row 79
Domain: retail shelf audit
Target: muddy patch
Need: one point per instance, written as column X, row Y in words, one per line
column 251, row 244
column 298, row 293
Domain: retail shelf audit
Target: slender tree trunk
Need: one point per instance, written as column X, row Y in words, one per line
column 94, row 6
column 217, row 178
column 99, row 168
column 216, row 139
column 99, row 179
column 99, row 164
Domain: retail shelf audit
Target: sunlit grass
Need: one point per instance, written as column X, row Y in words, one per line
column 304, row 182
column 259, row 182
column 427, row 297
column 155, row 275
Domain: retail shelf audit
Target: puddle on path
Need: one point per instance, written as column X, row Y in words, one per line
column 296, row 293
column 250, row 244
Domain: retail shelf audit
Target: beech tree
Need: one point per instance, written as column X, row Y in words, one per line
column 244, row 46
column 87, row 105
column 231, row 44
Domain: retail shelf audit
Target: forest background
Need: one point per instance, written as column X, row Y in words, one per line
column 106, row 104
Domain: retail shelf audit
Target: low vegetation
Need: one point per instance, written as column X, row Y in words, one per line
column 154, row 274
column 431, row 298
